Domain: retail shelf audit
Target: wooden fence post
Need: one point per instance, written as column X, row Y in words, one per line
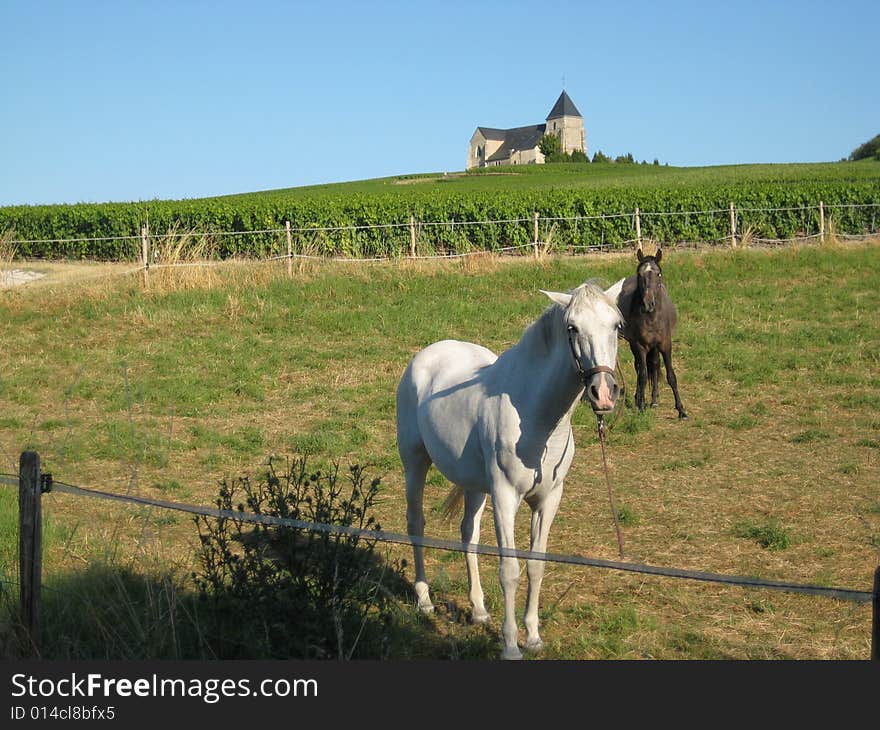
column 535, row 242
column 732, row 225
column 875, row 628
column 822, row 221
column 30, row 534
column 145, row 251
column 638, row 228
column 289, row 249
column 412, row 236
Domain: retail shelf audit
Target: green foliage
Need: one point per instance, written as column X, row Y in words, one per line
column 283, row 592
column 869, row 149
column 550, row 146
column 576, row 193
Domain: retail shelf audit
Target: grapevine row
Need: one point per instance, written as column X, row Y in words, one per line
column 377, row 223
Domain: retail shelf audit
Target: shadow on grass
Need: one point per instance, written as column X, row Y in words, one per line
column 109, row 612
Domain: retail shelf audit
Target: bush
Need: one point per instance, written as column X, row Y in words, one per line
column 280, row 592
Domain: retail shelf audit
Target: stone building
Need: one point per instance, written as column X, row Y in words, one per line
column 519, row 146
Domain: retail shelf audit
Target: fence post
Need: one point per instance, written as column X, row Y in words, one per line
column 30, row 534
column 875, row 627
column 412, row 236
column 638, row 228
column 822, row 221
column 145, row 251
column 289, row 249
column 535, row 242
column 732, row 225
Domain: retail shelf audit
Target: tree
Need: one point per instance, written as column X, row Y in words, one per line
column 599, row 157
column 871, row 148
column 550, row 147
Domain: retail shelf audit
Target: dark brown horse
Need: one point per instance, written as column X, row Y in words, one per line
column 649, row 320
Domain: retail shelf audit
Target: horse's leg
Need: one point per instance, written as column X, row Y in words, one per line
column 542, row 518
column 672, row 380
column 474, row 502
column 505, row 501
column 416, row 463
column 641, row 374
column 654, row 373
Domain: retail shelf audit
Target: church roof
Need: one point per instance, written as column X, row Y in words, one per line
column 564, row 107
column 519, row 138
column 493, row 133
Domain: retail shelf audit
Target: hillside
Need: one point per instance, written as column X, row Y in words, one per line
column 372, row 217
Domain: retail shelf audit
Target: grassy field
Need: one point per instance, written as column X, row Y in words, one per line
column 204, row 376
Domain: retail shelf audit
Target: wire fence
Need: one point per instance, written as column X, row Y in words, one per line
column 843, row 594
column 445, row 239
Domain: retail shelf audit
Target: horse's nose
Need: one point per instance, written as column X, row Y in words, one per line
column 602, row 392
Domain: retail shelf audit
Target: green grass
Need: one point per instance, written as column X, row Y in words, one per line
column 770, row 535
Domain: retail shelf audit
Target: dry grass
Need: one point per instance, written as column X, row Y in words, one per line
column 181, row 260
column 7, row 249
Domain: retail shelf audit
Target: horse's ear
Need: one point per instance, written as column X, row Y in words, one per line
column 639, row 253
column 659, row 254
column 558, row 297
column 613, row 292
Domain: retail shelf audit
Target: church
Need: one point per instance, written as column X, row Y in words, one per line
column 519, row 146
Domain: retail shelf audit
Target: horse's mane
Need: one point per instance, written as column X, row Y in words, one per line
column 547, row 327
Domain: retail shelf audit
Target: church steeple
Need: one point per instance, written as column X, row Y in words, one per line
column 566, row 122
column 564, row 107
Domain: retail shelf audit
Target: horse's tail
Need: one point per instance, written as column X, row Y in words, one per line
column 453, row 503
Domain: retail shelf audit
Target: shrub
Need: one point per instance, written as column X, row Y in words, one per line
column 281, row 592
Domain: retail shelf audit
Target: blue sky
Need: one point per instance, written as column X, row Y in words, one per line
column 127, row 100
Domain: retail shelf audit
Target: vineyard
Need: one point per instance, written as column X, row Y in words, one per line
column 578, row 205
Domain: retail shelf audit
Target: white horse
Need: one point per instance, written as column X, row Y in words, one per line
column 501, row 426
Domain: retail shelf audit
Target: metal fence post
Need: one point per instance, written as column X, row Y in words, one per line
column 30, row 532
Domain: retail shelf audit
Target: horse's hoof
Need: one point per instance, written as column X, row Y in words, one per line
column 654, row 404
column 682, row 416
column 533, row 646
column 480, row 618
column 423, row 598
column 511, row 653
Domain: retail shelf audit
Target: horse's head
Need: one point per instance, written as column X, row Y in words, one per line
column 650, row 278
column 589, row 323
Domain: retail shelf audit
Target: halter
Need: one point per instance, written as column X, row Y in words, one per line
column 586, row 374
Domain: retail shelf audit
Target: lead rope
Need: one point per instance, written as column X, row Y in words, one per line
column 601, row 421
